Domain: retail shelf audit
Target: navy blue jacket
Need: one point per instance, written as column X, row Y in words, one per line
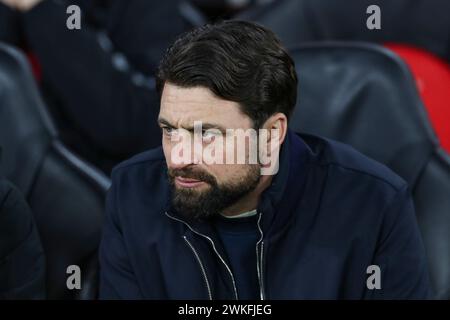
column 328, row 215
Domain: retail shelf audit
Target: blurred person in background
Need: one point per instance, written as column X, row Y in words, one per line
column 22, row 260
column 98, row 80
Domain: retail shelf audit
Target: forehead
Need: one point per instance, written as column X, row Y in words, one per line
column 182, row 106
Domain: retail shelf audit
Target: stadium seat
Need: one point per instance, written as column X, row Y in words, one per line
column 364, row 95
column 422, row 23
column 65, row 193
column 432, row 76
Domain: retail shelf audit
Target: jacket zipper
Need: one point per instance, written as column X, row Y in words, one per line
column 259, row 261
column 201, row 267
column 215, row 250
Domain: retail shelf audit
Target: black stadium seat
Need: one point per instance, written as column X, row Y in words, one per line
column 421, row 23
column 65, row 193
column 364, row 95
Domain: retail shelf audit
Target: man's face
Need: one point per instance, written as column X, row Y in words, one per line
column 201, row 188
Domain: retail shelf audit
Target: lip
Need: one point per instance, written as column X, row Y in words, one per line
column 187, row 182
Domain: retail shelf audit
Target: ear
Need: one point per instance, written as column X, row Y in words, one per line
column 277, row 121
column 274, row 132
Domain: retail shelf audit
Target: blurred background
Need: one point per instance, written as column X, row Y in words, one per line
column 75, row 102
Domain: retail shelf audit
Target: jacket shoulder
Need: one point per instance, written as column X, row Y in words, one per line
column 140, row 183
column 150, row 157
column 331, row 153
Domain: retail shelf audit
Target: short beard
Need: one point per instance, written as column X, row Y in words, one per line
column 205, row 204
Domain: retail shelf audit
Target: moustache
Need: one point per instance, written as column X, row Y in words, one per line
column 189, row 173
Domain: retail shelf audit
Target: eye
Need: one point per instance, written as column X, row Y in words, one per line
column 208, row 135
column 167, row 131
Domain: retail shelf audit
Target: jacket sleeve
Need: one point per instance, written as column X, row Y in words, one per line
column 400, row 254
column 117, row 280
column 115, row 108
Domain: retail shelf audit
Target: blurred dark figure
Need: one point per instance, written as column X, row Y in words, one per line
column 422, row 23
column 97, row 81
column 22, row 261
column 222, row 9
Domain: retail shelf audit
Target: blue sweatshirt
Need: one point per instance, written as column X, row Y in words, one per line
column 239, row 238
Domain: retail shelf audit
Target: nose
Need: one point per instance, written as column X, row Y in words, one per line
column 186, row 151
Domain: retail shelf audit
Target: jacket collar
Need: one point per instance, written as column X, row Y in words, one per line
column 278, row 202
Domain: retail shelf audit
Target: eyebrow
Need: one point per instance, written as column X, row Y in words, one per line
column 205, row 126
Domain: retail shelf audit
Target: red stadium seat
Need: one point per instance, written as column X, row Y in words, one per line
column 432, row 76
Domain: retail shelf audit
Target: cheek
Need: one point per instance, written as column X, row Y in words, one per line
column 167, row 149
column 218, row 171
column 229, row 173
column 240, row 150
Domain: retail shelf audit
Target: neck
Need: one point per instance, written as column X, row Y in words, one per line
column 250, row 201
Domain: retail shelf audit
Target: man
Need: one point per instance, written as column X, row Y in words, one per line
column 319, row 221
